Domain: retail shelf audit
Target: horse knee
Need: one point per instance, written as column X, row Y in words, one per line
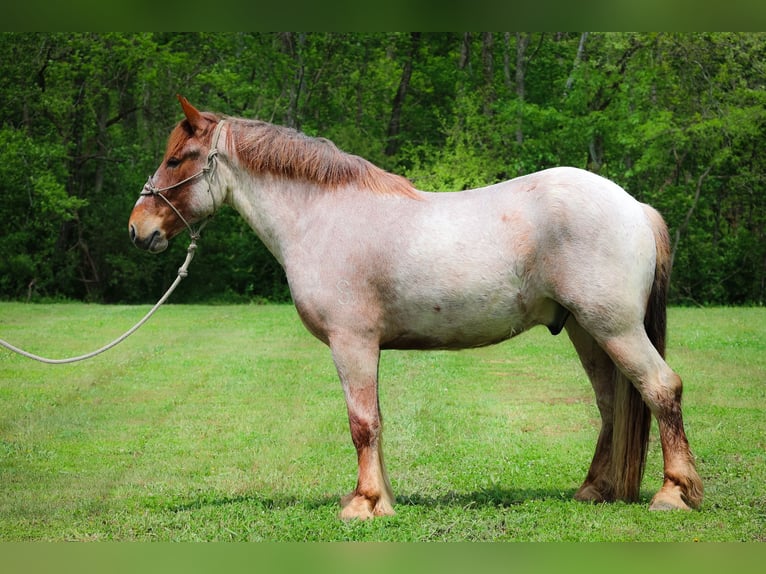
column 674, row 384
column 664, row 397
column 659, row 386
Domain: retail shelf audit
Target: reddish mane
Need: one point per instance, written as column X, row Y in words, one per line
column 264, row 147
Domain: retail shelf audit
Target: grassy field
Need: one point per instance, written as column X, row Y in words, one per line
column 228, row 423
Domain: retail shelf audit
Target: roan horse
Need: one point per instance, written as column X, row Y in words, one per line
column 373, row 263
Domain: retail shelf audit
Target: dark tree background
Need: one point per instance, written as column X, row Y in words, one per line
column 679, row 120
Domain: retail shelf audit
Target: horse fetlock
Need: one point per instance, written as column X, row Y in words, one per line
column 678, row 494
column 692, row 489
column 682, row 474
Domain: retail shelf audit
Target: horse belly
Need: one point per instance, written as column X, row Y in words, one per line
column 455, row 320
column 446, row 339
column 461, row 279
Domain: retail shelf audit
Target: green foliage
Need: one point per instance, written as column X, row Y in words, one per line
column 677, row 119
column 35, row 206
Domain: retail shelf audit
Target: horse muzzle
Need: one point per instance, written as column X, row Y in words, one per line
column 152, row 240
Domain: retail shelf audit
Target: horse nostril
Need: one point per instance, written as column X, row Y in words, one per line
column 132, row 233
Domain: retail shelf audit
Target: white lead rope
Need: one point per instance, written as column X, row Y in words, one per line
column 182, row 272
column 207, row 172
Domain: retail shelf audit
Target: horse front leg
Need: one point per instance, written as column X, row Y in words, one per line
column 357, row 365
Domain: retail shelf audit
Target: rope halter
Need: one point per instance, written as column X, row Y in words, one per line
column 207, row 171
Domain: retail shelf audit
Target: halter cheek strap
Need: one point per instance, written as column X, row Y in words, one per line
column 207, row 171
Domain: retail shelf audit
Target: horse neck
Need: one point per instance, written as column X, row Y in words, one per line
column 276, row 208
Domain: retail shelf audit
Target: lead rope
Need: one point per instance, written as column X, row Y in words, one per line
column 182, row 272
column 208, row 171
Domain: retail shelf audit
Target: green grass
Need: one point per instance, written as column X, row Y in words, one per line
column 228, row 423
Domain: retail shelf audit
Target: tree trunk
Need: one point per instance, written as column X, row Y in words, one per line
column 465, row 52
column 394, row 127
column 292, row 45
column 507, row 61
column 522, row 42
column 595, row 153
column 488, row 71
column 577, row 60
column 685, row 224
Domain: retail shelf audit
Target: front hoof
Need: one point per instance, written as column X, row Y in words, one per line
column 358, row 507
column 589, row 493
column 355, row 507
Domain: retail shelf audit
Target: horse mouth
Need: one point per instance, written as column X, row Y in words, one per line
column 156, row 242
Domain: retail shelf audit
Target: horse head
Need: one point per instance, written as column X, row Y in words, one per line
column 179, row 194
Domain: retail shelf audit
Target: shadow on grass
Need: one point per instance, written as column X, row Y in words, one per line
column 488, row 497
column 503, row 498
column 491, row 497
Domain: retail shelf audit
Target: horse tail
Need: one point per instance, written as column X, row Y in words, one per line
column 655, row 321
column 632, row 417
column 630, row 439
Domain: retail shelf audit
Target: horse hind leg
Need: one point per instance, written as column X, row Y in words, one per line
column 597, row 486
column 357, row 367
column 661, row 390
column 617, row 466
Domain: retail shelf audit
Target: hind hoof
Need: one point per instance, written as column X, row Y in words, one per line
column 669, row 498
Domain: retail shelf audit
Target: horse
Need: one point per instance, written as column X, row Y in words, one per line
column 373, row 263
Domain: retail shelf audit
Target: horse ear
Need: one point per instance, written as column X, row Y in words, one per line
column 192, row 114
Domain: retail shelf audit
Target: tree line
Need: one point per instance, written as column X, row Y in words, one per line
column 679, row 120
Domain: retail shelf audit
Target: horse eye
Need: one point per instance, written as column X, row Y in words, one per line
column 173, row 162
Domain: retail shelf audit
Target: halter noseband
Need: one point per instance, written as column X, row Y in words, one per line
column 208, row 170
